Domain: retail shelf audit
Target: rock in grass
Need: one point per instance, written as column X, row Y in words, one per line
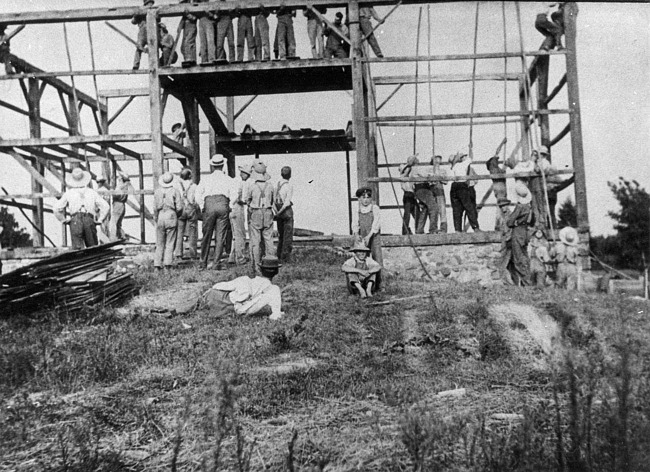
column 457, row 392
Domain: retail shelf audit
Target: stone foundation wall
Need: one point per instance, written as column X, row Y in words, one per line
column 466, row 263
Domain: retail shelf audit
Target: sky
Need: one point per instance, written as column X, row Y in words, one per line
column 613, row 51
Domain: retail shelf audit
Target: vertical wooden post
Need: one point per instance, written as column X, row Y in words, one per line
column 34, row 106
column 230, row 124
column 143, row 235
column 191, row 113
column 349, row 182
column 155, row 102
column 570, row 14
column 64, row 227
column 525, row 120
column 212, row 140
column 103, row 121
column 359, row 98
column 542, row 95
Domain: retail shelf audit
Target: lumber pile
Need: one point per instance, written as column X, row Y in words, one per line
column 70, row 281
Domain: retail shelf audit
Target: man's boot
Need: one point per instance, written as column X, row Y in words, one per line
column 443, row 227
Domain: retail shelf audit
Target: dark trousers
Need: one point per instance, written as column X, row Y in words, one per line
column 188, row 46
column 520, row 263
column 425, row 196
column 411, row 208
column 462, row 202
column 285, row 234
column 83, row 231
column 551, row 30
column 215, row 220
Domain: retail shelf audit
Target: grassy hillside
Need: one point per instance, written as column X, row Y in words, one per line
column 553, row 381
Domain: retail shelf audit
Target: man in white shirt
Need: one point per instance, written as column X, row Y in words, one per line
column 284, row 215
column 238, row 220
column 463, row 200
column 86, row 207
column 215, row 195
column 246, row 296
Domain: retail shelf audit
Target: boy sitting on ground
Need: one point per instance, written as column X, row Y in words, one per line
column 246, row 296
column 361, row 271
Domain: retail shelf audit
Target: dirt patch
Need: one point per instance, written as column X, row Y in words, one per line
column 529, row 331
column 287, row 363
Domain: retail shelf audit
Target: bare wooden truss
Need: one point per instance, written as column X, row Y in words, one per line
column 197, row 87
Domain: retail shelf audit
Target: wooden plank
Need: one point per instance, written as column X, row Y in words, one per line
column 25, row 206
column 155, row 105
column 124, row 13
column 446, row 78
column 464, row 178
column 177, row 147
column 59, row 193
column 453, row 116
column 121, row 109
column 26, row 68
column 51, row 123
column 560, row 135
column 128, row 92
column 463, row 123
column 36, row 175
column 463, row 57
column 73, row 140
column 557, row 89
column 577, row 152
column 75, row 73
column 256, row 66
column 212, row 114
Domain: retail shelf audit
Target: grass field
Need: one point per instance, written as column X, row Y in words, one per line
column 337, row 384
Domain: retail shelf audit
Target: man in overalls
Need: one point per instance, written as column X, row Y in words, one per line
column 167, row 206
column 260, row 196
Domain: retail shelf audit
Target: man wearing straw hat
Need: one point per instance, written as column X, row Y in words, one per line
column 216, row 194
column 86, row 207
column 518, row 221
column 260, row 197
column 168, row 205
column 565, row 253
column 123, row 185
column 462, row 194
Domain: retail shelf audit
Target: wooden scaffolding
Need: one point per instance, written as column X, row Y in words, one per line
column 197, row 87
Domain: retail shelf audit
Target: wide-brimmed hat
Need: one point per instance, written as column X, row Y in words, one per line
column 166, row 180
column 147, row 2
column 569, row 236
column 523, row 194
column 246, row 169
column 412, row 160
column 544, row 150
column 78, row 178
column 259, row 173
column 270, row 262
column 360, row 247
column 217, row 160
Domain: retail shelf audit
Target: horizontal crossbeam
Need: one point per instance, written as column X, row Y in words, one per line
column 453, row 116
column 129, row 92
column 123, row 13
column 77, row 73
column 461, row 57
column 34, row 196
column 410, row 124
column 448, row 78
column 73, row 140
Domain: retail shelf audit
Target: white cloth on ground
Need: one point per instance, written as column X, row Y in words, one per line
column 249, row 296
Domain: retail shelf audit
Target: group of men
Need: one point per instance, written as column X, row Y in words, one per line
column 85, row 208
column 526, row 258
column 426, row 200
column 226, row 205
column 213, row 29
